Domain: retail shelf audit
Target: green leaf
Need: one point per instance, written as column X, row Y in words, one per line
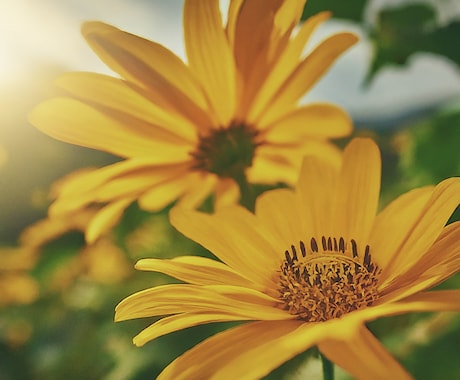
column 399, row 33
column 349, row 10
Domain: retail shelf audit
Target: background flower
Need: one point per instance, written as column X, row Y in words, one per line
column 228, row 116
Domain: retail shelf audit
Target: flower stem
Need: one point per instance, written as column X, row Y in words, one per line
column 328, row 368
column 247, row 192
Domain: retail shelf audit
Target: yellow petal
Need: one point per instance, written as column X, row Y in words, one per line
column 237, row 242
column 283, row 227
column 234, row 8
column 440, row 262
column 433, row 301
column 118, row 95
column 105, row 219
column 200, row 187
column 195, row 270
column 317, row 120
column 394, row 221
column 270, row 167
column 364, row 357
column 77, row 123
column 285, row 65
column 227, row 193
column 148, row 64
column 210, row 56
column 177, row 322
column 357, row 191
column 253, row 30
column 288, row 15
column 121, row 180
column 252, row 350
column 256, row 42
column 426, row 228
column 207, row 358
column 303, row 78
column 244, row 303
column 315, row 189
column 160, row 196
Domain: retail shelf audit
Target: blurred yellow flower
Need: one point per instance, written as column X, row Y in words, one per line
column 17, row 286
column 105, row 262
column 310, row 267
column 188, row 130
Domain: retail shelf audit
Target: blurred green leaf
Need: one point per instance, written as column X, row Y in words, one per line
column 349, row 10
column 399, row 33
column 403, row 31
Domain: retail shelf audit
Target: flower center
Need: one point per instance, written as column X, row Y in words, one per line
column 228, row 151
column 322, row 284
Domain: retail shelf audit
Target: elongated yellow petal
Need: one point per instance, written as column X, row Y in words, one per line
column 124, row 179
column 210, row 57
column 394, row 221
column 254, row 27
column 270, row 168
column 195, row 270
column 432, row 301
column 315, row 189
column 178, row 322
column 303, row 78
column 284, row 66
column 117, row 95
column 283, row 228
column 234, row 8
column 71, row 121
column 358, row 190
column 426, row 228
column 185, row 298
column 364, row 357
column 105, row 219
column 150, row 65
column 199, row 187
column 317, row 120
column 226, row 193
column 236, row 242
column 440, row 262
column 208, row 357
column 158, row 197
column 252, row 350
column 156, row 169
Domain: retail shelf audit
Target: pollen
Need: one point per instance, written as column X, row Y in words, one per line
column 327, row 279
column 226, row 150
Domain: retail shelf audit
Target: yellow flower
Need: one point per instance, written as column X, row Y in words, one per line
column 17, row 286
column 188, row 130
column 310, row 267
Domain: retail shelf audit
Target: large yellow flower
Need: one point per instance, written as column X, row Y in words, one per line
column 310, row 267
column 188, row 130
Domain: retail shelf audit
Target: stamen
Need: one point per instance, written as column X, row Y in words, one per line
column 323, row 285
column 314, row 245
column 323, row 241
column 354, row 248
column 302, row 248
column 294, row 253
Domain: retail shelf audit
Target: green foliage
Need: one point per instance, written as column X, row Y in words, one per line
column 410, row 29
column 399, row 32
column 349, row 10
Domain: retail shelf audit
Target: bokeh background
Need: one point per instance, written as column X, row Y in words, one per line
column 400, row 83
